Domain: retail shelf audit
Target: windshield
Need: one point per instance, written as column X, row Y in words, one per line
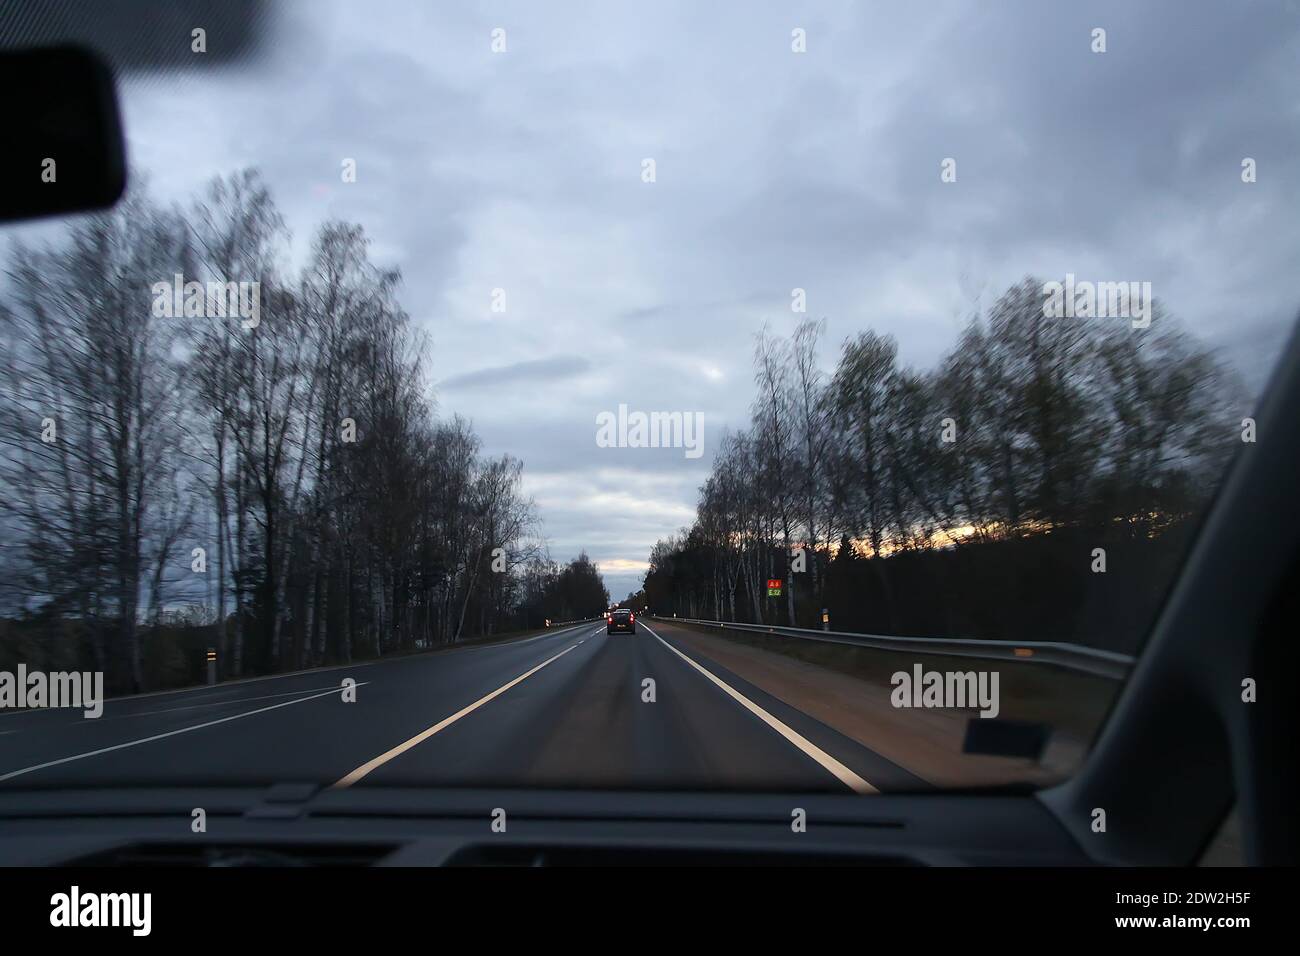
column 884, row 365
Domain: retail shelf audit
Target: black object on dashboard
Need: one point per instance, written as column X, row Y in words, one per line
column 1006, row 738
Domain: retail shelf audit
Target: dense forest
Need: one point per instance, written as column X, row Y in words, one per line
column 278, row 487
column 1040, row 483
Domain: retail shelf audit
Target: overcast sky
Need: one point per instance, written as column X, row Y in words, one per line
column 774, row 170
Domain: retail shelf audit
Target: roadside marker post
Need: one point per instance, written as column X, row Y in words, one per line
column 212, row 666
column 826, row 619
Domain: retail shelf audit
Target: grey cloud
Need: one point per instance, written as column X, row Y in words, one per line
column 775, row 170
column 535, row 370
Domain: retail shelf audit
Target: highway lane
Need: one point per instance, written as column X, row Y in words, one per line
column 313, row 738
column 567, row 708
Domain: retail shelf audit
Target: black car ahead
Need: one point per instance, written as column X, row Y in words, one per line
column 621, row 619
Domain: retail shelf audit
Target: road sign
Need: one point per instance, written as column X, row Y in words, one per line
column 773, row 587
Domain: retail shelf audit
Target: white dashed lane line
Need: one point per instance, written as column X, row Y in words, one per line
column 443, row 724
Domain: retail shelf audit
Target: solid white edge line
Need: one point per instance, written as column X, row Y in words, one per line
column 170, row 733
column 828, row 763
column 351, row 778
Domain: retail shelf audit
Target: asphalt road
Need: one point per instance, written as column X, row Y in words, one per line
column 566, row 708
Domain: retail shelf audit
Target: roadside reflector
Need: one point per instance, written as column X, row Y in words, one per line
column 1024, row 652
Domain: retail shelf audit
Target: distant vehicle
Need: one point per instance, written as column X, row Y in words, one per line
column 621, row 620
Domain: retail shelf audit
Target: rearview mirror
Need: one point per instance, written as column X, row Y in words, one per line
column 62, row 150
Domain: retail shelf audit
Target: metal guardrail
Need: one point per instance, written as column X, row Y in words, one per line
column 1075, row 657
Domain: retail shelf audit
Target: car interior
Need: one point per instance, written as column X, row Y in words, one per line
column 1193, row 765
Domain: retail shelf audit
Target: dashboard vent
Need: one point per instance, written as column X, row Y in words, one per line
column 237, row 854
column 526, row 855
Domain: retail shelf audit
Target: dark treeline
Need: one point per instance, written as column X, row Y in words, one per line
column 967, row 500
column 569, row 593
column 277, row 486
